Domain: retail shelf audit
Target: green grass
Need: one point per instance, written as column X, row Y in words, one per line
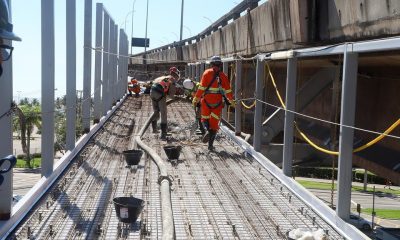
column 383, row 213
column 35, row 163
column 315, row 185
column 327, row 186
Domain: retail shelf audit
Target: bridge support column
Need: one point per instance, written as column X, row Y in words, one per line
column 48, row 58
column 198, row 77
column 238, row 95
column 225, row 69
column 6, row 148
column 348, row 106
column 259, row 105
column 106, row 49
column 97, row 74
column 289, row 116
column 71, row 74
column 202, row 69
column 87, row 67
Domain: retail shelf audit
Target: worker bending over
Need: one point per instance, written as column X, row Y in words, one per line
column 162, row 86
column 134, row 87
column 214, row 87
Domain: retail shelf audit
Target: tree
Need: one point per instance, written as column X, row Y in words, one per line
column 29, row 117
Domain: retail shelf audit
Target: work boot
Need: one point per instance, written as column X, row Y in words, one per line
column 154, row 126
column 201, row 127
column 212, row 134
column 206, row 137
column 163, row 131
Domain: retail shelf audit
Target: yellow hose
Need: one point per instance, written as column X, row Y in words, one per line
column 249, row 106
column 369, row 144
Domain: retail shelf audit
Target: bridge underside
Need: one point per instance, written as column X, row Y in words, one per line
column 214, row 195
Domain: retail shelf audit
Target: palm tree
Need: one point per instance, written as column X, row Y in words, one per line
column 29, row 117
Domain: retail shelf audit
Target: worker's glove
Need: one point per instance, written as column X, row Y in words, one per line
column 195, row 101
column 232, row 103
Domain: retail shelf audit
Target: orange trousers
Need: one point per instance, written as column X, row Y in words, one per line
column 210, row 117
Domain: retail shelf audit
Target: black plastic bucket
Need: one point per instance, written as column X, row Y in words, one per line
column 172, row 151
column 132, row 157
column 128, row 208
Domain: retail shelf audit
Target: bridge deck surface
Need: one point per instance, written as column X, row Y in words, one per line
column 222, row 194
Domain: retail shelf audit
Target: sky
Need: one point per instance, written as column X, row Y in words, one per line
column 163, row 28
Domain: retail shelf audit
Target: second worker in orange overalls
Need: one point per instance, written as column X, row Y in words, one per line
column 214, row 86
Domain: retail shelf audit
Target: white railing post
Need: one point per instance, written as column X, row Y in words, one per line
column 115, row 65
column 97, row 74
column 111, row 66
column 48, row 58
column 346, row 138
column 289, row 116
column 71, row 73
column 87, row 67
column 105, row 78
column 238, row 95
column 259, row 106
column 6, row 89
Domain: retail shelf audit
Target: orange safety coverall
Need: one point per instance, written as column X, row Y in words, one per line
column 212, row 100
column 133, row 86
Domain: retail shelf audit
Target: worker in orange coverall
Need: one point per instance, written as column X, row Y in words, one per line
column 214, row 87
column 134, row 86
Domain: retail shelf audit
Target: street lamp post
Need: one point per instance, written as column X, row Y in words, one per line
column 208, row 19
column 126, row 18
column 145, row 35
column 133, row 10
column 176, row 35
column 181, row 20
column 190, row 32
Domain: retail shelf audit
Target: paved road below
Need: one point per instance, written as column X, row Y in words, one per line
column 382, row 200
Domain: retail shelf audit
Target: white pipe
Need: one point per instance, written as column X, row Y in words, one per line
column 165, row 182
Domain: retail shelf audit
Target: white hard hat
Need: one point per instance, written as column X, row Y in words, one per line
column 188, row 84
